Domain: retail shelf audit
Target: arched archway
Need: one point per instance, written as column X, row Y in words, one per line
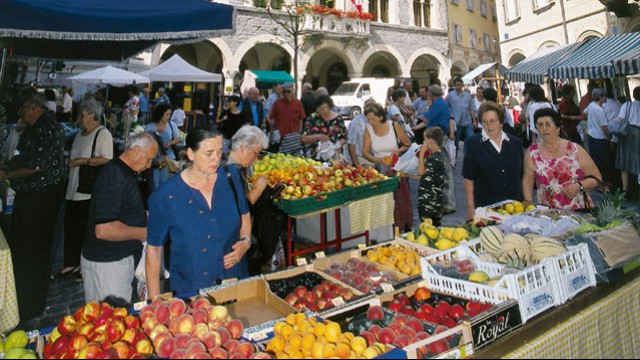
column 549, row 44
column 458, row 69
column 515, row 57
column 382, row 64
column 426, row 70
column 266, row 56
column 328, row 67
column 590, row 35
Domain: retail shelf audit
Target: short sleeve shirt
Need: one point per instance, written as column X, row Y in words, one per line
column 439, row 115
column 81, row 148
column 596, row 119
column 333, row 128
column 116, row 197
column 355, row 133
column 40, row 147
column 287, row 115
column 461, row 104
column 200, row 236
column 170, row 132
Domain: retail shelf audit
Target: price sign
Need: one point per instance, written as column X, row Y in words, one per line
column 259, row 336
column 301, row 261
column 387, row 288
column 339, row 301
column 139, row 305
column 320, row 255
column 362, row 246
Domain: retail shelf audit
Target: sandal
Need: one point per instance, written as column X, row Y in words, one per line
column 78, row 278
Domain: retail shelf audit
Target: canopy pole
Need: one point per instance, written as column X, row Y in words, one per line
column 3, row 64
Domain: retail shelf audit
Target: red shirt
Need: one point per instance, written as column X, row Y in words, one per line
column 568, row 107
column 584, row 102
column 287, row 115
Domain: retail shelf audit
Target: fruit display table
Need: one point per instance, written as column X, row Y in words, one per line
column 602, row 322
column 9, row 316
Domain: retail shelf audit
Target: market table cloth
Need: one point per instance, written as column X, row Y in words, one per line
column 607, row 329
column 371, row 213
column 9, row 316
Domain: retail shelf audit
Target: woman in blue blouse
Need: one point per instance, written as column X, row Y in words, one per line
column 209, row 226
column 167, row 135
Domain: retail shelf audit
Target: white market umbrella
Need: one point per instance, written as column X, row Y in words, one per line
column 109, row 75
column 176, row 69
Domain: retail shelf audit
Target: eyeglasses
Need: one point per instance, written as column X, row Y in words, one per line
column 547, row 125
column 286, row 91
column 258, row 154
column 490, row 122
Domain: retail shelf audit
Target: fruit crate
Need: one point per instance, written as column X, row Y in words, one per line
column 288, row 276
column 352, row 319
column 462, row 351
column 575, row 271
column 315, row 203
column 487, row 212
column 535, row 288
column 419, row 249
column 374, row 188
column 486, row 327
column 325, row 265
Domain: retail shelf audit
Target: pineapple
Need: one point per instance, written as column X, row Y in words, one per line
column 609, row 213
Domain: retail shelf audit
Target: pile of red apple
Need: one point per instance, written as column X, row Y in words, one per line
column 318, row 298
column 360, row 275
column 436, row 309
column 98, row 331
column 402, row 331
column 198, row 331
column 317, row 180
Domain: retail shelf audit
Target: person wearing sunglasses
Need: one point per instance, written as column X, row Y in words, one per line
column 561, row 168
column 287, row 116
column 247, row 146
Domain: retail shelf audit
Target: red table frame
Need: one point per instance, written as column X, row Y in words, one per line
column 324, row 244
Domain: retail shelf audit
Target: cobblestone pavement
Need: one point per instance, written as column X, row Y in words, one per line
column 65, row 295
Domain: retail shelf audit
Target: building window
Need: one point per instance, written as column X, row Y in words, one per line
column 496, row 46
column 486, row 42
column 539, row 4
column 457, row 34
column 494, row 16
column 473, row 39
column 483, row 8
column 380, row 10
column 422, row 13
column 470, row 5
column 511, row 10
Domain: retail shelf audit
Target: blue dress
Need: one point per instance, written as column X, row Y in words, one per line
column 200, row 237
column 159, row 176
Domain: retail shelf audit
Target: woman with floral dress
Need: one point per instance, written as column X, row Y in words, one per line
column 324, row 125
column 561, row 168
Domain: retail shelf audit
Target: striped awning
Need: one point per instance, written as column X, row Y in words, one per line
column 594, row 60
column 479, row 70
column 628, row 64
column 534, row 68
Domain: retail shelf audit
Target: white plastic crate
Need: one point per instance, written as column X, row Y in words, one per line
column 575, row 271
column 486, row 213
column 535, row 288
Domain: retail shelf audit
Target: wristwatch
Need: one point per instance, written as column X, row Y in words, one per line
column 247, row 240
column 581, row 186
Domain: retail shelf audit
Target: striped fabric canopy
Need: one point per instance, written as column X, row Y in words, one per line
column 594, row 60
column 534, row 68
column 628, row 64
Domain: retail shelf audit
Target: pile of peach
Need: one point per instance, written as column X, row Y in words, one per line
column 301, row 337
column 98, row 331
column 198, row 331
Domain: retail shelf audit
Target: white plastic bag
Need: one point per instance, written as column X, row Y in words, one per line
column 450, row 147
column 326, row 150
column 408, row 162
column 141, row 273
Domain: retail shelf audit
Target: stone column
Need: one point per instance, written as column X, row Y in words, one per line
column 229, row 79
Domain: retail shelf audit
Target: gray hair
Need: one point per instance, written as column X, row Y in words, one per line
column 249, row 135
column 143, row 141
column 598, row 93
column 435, row 90
column 36, row 99
column 307, row 86
column 92, row 107
column 161, row 90
column 322, row 91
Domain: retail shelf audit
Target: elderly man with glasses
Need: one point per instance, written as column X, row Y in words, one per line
column 287, row 116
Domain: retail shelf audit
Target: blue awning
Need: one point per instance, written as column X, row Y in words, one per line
column 594, row 60
column 112, row 29
column 628, row 64
column 272, row 77
column 534, row 68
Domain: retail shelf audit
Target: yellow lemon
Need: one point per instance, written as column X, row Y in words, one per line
column 460, row 234
column 444, row 244
column 531, row 207
column 432, row 233
column 510, row 208
column 447, row 232
column 411, row 237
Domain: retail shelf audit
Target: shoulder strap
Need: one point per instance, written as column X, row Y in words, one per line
column 95, row 139
column 233, row 188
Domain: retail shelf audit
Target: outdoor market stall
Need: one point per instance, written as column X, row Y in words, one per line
column 9, row 316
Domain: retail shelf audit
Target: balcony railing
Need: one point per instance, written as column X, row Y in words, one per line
column 316, row 23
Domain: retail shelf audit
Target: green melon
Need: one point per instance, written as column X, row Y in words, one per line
column 491, row 239
column 544, row 247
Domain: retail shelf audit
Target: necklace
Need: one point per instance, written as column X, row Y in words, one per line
column 194, row 183
column 553, row 152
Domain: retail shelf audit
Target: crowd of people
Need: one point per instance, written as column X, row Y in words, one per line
column 204, row 216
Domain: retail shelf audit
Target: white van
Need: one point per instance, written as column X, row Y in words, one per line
column 350, row 96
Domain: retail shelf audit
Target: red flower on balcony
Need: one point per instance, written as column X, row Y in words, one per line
column 321, row 10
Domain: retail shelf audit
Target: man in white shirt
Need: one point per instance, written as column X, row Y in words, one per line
column 67, row 103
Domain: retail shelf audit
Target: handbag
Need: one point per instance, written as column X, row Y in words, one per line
column 173, row 165
column 291, row 144
column 88, row 174
column 588, row 208
column 619, row 128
